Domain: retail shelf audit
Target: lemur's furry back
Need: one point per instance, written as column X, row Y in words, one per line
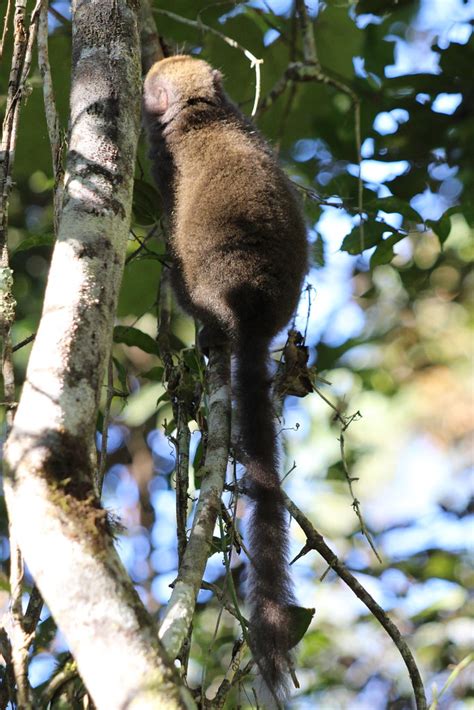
column 239, row 255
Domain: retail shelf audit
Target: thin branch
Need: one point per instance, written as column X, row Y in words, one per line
column 360, row 183
column 184, row 398
column 33, row 611
column 61, row 678
column 350, row 479
column 20, row 640
column 230, row 521
column 20, row 67
column 22, row 343
column 105, row 426
column 345, row 423
column 315, row 541
column 52, row 118
column 286, row 111
column 6, row 20
column 222, row 597
column 234, row 675
column 183, row 440
column 8, row 694
column 309, row 45
column 254, row 61
column 231, row 587
column 8, row 373
column 466, row 661
column 21, row 62
column 164, row 302
column 313, row 195
column 263, row 15
column 143, row 247
column 60, row 18
column 151, row 49
column 179, row 613
column 310, row 70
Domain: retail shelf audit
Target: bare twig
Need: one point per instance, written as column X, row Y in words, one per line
column 8, row 378
column 222, row 597
column 234, row 675
column 105, row 426
column 6, row 20
column 143, row 247
column 59, row 17
column 52, row 118
column 22, row 343
column 350, row 479
column 151, row 49
column 164, row 302
column 33, row 611
column 20, row 67
column 20, row 640
column 345, row 423
column 183, row 439
column 315, row 541
column 231, row 586
column 230, row 522
column 313, row 195
column 466, row 661
column 21, row 62
column 179, row 388
column 309, row 45
column 61, row 678
column 263, row 15
column 254, row 61
column 311, row 70
column 360, row 184
column 8, row 694
column 286, row 111
column 180, row 610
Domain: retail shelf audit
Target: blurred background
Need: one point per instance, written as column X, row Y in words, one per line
column 388, row 327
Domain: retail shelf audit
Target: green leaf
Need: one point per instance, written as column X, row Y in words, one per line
column 146, row 203
column 155, row 374
column 300, row 620
column 36, row 240
column 335, row 473
column 384, row 252
column 134, row 337
column 441, row 227
column 380, row 7
column 164, row 397
column 373, row 232
column 121, row 374
column 219, row 544
column 318, row 251
column 197, row 463
column 392, row 204
column 170, row 427
column 192, row 360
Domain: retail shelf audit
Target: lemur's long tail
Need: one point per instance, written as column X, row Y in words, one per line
column 270, row 589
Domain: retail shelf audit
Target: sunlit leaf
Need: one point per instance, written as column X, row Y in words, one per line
column 300, row 621
column 36, row 240
column 134, row 337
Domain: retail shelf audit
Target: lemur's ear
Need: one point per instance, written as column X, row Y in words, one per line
column 157, row 101
column 217, row 77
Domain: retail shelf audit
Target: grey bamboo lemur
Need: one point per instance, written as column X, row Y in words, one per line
column 239, row 255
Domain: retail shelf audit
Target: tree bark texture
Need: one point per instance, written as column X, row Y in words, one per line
column 50, row 454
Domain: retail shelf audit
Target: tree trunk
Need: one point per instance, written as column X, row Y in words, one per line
column 50, row 454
